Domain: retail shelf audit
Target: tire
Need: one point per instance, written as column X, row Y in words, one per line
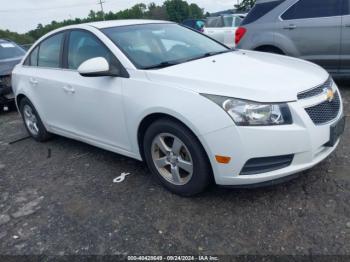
column 182, row 181
column 271, row 50
column 33, row 123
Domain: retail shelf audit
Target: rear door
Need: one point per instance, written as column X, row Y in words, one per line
column 45, row 77
column 345, row 43
column 313, row 28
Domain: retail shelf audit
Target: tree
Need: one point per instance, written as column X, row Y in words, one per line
column 178, row 10
column 245, row 5
column 174, row 10
column 195, row 11
column 15, row 37
column 157, row 12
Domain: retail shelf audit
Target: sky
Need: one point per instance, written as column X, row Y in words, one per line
column 23, row 15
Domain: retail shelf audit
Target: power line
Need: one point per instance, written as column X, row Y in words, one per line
column 101, row 4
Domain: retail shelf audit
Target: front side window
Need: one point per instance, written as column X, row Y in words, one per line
column 84, row 46
column 50, row 51
column 313, row 9
column 152, row 45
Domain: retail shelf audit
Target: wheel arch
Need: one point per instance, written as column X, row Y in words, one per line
column 148, row 120
column 19, row 98
column 267, row 47
column 151, row 118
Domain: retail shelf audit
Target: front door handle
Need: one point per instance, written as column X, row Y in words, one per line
column 290, row 27
column 69, row 89
column 33, row 81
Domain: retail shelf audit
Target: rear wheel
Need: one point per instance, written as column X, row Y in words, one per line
column 176, row 158
column 33, row 122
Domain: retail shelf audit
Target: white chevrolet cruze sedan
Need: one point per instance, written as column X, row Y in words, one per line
column 193, row 109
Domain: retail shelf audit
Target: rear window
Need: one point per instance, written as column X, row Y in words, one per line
column 232, row 21
column 313, row 9
column 9, row 50
column 214, row 22
column 259, row 10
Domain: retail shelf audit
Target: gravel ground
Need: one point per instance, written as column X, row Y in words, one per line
column 59, row 198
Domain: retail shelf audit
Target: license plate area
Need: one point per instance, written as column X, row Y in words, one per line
column 336, row 131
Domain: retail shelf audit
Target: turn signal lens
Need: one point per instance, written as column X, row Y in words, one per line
column 223, row 159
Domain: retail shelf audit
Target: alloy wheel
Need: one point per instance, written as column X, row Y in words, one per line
column 30, row 120
column 172, row 159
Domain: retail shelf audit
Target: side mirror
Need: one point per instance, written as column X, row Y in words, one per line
column 94, row 67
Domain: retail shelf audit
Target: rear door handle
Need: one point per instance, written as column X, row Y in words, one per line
column 290, row 27
column 69, row 89
column 33, row 81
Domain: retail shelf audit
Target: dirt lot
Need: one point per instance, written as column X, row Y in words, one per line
column 58, row 198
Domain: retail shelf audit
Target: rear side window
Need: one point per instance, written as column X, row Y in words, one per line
column 50, row 51
column 313, row 9
column 259, row 10
column 214, row 22
column 346, row 7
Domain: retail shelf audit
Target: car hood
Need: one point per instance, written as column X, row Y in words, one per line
column 247, row 75
column 7, row 65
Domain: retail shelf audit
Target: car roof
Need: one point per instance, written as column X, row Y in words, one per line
column 4, row 41
column 115, row 23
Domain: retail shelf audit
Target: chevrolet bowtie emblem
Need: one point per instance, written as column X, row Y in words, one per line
column 329, row 94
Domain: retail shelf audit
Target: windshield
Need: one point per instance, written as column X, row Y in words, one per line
column 160, row 45
column 9, row 50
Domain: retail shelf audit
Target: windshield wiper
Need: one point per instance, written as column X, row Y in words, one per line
column 209, row 54
column 172, row 63
column 161, row 65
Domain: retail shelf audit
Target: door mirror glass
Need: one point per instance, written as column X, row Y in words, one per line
column 93, row 67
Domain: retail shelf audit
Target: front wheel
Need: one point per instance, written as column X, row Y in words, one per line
column 176, row 158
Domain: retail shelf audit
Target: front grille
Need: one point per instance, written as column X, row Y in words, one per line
column 266, row 164
column 326, row 111
column 316, row 91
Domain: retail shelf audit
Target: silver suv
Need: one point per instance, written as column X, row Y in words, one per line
column 315, row 30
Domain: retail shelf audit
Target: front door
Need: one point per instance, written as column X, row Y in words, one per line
column 96, row 103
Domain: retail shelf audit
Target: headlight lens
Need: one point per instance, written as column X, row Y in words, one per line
column 248, row 113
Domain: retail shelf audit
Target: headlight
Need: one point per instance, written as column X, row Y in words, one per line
column 248, row 113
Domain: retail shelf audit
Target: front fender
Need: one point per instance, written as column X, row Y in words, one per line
column 199, row 114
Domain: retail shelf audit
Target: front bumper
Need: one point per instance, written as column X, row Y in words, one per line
column 303, row 139
column 6, row 93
